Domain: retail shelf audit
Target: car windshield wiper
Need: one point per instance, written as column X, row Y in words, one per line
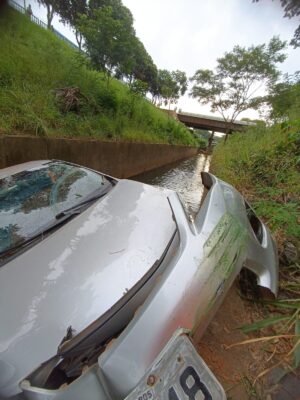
column 76, row 208
column 38, row 235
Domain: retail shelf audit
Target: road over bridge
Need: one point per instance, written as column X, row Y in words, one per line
column 210, row 123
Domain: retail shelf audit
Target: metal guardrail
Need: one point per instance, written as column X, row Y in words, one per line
column 41, row 23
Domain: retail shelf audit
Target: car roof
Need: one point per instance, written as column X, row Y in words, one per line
column 21, row 167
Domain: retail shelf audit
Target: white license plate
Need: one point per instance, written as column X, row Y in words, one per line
column 179, row 373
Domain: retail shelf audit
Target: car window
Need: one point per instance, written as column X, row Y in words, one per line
column 31, row 199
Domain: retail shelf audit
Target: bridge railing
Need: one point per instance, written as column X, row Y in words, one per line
column 41, row 23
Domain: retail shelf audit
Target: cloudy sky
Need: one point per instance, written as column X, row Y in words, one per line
column 192, row 34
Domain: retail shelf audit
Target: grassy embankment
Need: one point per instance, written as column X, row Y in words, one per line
column 34, row 64
column 264, row 165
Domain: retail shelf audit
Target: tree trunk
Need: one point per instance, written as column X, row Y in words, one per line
column 227, row 130
column 78, row 36
column 50, row 13
column 108, row 75
column 210, row 140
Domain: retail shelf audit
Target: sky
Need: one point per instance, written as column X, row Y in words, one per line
column 191, row 34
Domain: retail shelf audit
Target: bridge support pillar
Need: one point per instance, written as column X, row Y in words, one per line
column 211, row 138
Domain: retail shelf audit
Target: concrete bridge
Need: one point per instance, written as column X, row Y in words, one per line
column 209, row 123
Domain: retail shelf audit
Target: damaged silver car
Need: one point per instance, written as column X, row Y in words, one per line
column 104, row 282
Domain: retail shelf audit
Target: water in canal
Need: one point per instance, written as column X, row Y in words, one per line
column 184, row 177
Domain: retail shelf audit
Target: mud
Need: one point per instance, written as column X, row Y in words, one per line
column 238, row 367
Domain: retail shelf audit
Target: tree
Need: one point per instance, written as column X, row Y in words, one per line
column 238, row 77
column 52, row 7
column 291, row 9
column 284, row 98
column 70, row 11
column 143, row 67
column 112, row 44
column 138, row 66
column 108, row 35
column 181, row 82
column 136, row 62
column 171, row 85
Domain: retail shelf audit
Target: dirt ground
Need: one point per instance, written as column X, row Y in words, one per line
column 237, row 367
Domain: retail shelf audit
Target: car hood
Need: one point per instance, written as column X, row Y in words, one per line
column 78, row 273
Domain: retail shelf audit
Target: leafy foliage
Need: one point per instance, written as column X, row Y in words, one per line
column 239, row 75
column 104, row 28
column 112, row 44
column 291, row 9
column 137, row 64
column 170, row 86
column 52, row 7
column 69, row 12
column 284, row 98
column 106, row 38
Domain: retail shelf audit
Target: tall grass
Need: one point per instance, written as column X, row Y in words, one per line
column 264, row 164
column 34, row 63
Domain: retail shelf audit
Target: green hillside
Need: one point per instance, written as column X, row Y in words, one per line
column 34, row 64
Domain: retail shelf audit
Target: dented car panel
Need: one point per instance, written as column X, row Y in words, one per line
column 169, row 377
column 194, row 264
column 212, row 252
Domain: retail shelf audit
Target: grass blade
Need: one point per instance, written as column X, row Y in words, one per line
column 292, row 303
column 262, row 339
column 264, row 323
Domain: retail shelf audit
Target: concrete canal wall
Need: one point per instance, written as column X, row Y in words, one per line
column 119, row 159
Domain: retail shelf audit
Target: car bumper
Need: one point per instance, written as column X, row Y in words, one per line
column 176, row 373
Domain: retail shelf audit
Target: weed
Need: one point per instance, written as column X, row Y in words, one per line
column 250, row 388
